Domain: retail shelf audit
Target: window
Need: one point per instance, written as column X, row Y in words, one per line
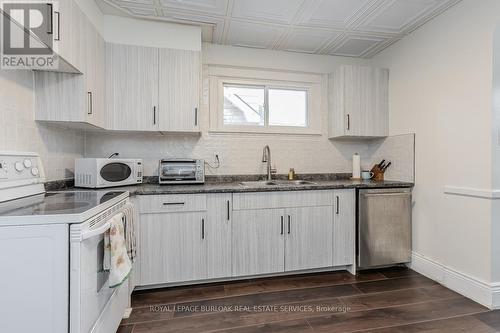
column 264, row 106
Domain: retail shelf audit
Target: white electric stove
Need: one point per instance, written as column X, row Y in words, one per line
column 51, row 251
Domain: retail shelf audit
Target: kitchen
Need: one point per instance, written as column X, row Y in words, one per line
column 282, row 117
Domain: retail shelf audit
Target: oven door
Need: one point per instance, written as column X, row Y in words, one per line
column 116, row 173
column 89, row 288
column 178, row 170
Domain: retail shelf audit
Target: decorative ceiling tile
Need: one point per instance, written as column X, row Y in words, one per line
column 141, row 11
column 334, row 13
column 278, row 11
column 396, row 16
column 217, row 7
column 356, row 46
column 357, row 28
column 253, row 35
column 308, row 40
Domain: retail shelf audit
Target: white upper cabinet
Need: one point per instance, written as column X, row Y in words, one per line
column 76, row 100
column 132, row 87
column 151, row 89
column 358, row 102
column 179, row 88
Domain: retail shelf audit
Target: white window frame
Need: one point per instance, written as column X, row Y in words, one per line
column 219, row 76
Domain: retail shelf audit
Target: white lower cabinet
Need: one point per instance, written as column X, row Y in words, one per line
column 172, row 247
column 292, row 231
column 344, row 228
column 218, row 235
column 308, row 241
column 202, row 236
column 258, row 242
column 182, row 244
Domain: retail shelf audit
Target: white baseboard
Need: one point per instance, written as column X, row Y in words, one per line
column 479, row 291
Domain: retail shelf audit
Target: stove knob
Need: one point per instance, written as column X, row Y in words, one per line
column 35, row 172
column 27, row 163
column 19, row 166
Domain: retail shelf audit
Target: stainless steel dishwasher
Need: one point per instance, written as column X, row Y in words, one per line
column 384, row 227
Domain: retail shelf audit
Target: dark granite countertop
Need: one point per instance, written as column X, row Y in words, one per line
column 232, row 184
column 236, row 187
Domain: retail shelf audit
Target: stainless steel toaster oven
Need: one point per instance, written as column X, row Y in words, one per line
column 181, row 171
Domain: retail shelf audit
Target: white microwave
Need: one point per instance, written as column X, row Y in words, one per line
column 107, row 172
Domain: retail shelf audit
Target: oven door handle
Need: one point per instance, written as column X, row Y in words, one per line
column 97, row 231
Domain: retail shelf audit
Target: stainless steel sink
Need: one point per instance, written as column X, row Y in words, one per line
column 299, row 182
column 264, row 183
column 259, row 183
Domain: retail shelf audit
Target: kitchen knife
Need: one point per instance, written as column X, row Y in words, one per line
column 385, row 167
column 381, row 164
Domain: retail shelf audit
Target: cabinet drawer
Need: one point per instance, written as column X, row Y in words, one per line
column 260, row 200
column 172, row 203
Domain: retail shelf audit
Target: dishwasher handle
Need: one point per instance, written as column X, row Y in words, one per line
column 386, row 194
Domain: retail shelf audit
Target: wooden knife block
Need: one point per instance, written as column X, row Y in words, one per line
column 378, row 174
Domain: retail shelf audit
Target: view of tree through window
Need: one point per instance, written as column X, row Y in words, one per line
column 246, row 105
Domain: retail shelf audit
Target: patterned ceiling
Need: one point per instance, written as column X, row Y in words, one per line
column 354, row 28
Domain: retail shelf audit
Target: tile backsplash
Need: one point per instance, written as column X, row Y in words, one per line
column 58, row 147
column 243, row 154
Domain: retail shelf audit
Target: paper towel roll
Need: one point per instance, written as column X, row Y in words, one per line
column 356, row 166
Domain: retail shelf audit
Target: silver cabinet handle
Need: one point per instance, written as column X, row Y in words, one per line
column 154, row 115
column 289, row 219
column 173, row 203
column 282, row 225
column 348, row 122
column 90, row 103
column 202, row 228
column 50, row 9
column 58, row 30
column 228, row 215
column 337, row 204
column 386, row 194
column 195, row 116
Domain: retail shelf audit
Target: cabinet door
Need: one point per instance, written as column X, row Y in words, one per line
column 308, row 242
column 173, row 248
column 344, row 227
column 180, row 72
column 90, row 35
column 78, row 32
column 358, row 102
column 132, row 87
column 100, row 83
column 258, row 241
column 218, row 235
column 64, row 31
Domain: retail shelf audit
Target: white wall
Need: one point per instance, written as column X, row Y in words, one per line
column 495, row 151
column 441, row 89
column 19, row 131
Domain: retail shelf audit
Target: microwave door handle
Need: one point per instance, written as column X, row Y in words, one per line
column 97, row 231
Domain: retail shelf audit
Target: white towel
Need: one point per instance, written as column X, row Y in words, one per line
column 116, row 259
column 130, row 236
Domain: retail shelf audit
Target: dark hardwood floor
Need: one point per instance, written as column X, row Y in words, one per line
column 382, row 301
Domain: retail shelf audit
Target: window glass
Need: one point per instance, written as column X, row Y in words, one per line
column 244, row 105
column 287, row 107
